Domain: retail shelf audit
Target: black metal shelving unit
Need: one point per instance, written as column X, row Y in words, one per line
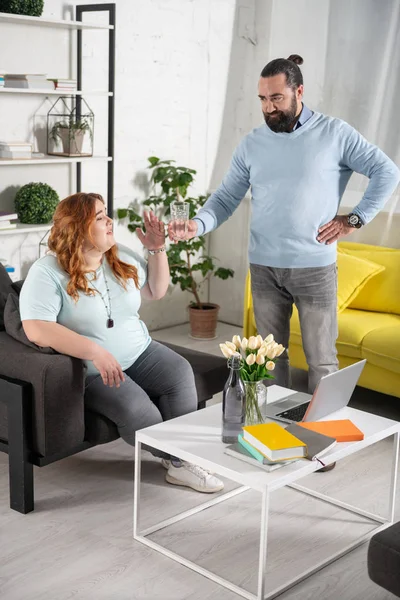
column 80, row 11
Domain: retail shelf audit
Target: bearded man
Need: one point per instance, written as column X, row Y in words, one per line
column 298, row 165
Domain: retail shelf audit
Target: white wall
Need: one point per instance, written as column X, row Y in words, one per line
column 172, row 66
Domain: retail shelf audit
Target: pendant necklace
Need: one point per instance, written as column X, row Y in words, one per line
column 110, row 322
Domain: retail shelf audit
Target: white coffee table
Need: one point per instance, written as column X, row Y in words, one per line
column 180, row 437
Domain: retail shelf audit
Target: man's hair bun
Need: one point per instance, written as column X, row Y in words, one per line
column 296, row 59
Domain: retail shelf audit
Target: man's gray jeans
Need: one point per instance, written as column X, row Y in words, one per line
column 314, row 291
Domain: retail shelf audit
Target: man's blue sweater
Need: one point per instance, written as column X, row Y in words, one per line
column 297, row 181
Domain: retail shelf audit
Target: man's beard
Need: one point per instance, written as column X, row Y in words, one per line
column 280, row 121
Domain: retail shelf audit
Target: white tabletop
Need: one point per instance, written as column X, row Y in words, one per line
column 196, row 437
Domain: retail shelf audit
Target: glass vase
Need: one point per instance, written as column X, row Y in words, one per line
column 256, row 400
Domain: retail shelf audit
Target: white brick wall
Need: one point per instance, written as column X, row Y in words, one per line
column 171, row 71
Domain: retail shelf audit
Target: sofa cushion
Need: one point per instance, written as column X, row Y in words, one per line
column 356, row 246
column 381, row 347
column 382, row 293
column 354, row 326
column 353, row 274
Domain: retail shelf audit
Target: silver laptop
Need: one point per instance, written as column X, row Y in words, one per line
column 332, row 393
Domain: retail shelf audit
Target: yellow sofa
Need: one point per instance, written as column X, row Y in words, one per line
column 369, row 315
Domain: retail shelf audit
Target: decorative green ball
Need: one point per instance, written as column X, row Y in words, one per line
column 35, row 203
column 33, row 8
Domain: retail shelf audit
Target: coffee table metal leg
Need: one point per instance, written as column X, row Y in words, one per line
column 136, row 490
column 262, row 565
column 393, row 482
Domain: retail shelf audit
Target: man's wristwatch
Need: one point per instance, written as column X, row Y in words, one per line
column 354, row 221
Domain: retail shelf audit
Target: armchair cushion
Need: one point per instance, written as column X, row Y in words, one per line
column 13, row 325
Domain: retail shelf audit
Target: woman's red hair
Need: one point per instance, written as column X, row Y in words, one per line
column 73, row 219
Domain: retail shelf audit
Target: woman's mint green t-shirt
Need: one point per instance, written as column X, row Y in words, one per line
column 44, row 297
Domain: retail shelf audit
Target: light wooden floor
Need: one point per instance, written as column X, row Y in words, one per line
column 77, row 544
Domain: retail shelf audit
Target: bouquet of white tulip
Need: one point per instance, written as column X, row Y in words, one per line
column 258, row 360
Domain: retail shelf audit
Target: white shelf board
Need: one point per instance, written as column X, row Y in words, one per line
column 4, row 90
column 23, row 228
column 48, row 160
column 24, row 20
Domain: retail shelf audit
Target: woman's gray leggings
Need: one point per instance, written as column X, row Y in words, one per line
column 158, row 386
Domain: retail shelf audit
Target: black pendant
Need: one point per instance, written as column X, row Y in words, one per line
column 110, row 323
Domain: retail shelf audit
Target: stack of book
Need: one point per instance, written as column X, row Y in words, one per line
column 15, row 150
column 271, row 446
column 24, row 80
column 64, row 85
column 6, row 220
column 1, row 80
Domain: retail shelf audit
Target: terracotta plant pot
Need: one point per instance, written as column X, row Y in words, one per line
column 72, row 142
column 203, row 321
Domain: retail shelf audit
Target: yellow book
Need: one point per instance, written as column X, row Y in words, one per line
column 272, row 440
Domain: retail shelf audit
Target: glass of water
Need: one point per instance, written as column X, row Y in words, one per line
column 179, row 218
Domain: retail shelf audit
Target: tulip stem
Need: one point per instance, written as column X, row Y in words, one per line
column 253, row 412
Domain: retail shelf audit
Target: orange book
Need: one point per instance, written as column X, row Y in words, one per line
column 342, row 431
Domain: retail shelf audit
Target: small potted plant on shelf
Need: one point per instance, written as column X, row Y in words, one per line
column 190, row 265
column 71, row 132
column 35, row 203
column 32, row 8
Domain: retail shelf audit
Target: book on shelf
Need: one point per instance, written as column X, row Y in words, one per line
column 23, row 80
column 4, row 226
column 274, row 442
column 237, row 450
column 7, row 216
column 64, row 83
column 342, row 430
column 15, row 146
column 15, row 150
column 15, row 155
column 6, row 219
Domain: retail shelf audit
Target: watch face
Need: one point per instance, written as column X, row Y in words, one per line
column 353, row 220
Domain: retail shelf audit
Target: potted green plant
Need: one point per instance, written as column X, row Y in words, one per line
column 33, row 8
column 190, row 265
column 36, row 203
column 71, row 132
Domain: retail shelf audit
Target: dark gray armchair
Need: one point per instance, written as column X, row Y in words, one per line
column 42, row 412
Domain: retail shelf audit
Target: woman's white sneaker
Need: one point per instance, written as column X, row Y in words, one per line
column 195, row 477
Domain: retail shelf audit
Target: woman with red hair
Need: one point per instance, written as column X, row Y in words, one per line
column 82, row 299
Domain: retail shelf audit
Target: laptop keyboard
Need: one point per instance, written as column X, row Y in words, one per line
column 296, row 413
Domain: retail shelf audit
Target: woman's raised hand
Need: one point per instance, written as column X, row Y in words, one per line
column 154, row 237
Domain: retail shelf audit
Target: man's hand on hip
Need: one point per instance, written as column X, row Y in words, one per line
column 335, row 229
column 176, row 234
